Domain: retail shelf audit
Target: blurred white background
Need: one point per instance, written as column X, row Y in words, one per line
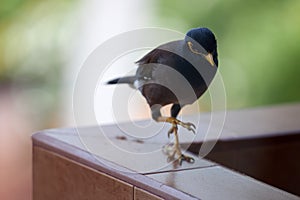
column 99, row 21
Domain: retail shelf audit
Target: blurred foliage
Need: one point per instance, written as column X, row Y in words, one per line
column 34, row 36
column 258, row 44
column 258, row 47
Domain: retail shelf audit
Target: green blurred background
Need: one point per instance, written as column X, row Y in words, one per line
column 258, row 44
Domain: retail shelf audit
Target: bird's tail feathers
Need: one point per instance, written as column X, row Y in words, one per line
column 126, row 79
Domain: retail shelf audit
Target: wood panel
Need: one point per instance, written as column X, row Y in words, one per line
column 265, row 145
column 220, row 183
column 45, row 141
column 271, row 159
column 56, row 177
column 140, row 194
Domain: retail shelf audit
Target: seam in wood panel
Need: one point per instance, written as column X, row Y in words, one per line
column 178, row 170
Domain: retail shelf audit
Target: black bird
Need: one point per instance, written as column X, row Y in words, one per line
column 177, row 73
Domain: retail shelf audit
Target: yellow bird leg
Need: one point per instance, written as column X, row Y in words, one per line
column 176, row 148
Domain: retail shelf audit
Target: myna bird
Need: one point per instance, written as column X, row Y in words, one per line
column 177, row 73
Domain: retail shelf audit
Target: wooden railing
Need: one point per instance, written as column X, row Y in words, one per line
column 84, row 163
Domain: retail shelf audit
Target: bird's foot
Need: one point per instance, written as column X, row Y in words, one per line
column 175, row 122
column 174, row 153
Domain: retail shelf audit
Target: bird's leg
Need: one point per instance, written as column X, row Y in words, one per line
column 156, row 115
column 177, row 150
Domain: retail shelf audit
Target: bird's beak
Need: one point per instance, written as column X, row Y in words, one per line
column 210, row 59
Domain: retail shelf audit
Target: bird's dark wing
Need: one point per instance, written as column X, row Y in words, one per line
column 150, row 76
column 153, row 56
column 160, row 53
column 163, row 54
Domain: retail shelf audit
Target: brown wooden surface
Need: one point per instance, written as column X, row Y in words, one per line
column 59, row 177
column 140, row 194
column 73, row 153
column 56, row 177
column 95, row 148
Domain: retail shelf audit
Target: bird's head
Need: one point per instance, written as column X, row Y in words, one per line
column 208, row 42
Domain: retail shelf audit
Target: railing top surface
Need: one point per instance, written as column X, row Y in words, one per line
column 109, row 150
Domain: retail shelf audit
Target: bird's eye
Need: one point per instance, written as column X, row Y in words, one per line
column 195, row 51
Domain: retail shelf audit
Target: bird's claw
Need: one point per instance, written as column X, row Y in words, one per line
column 185, row 158
column 189, row 126
column 172, row 150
